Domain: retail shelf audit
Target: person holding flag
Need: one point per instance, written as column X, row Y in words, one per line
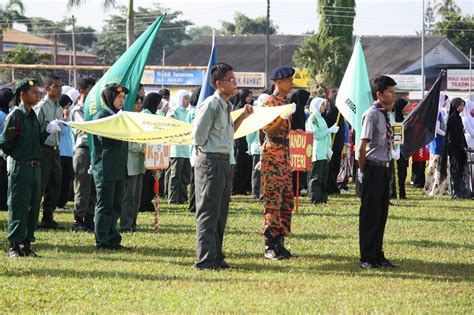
column 375, row 153
column 277, row 182
column 109, row 169
column 213, row 137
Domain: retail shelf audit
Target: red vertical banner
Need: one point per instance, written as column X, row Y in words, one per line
column 301, row 150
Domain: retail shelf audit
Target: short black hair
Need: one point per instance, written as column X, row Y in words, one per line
column 218, row 72
column 50, row 78
column 86, row 82
column 381, row 83
column 164, row 92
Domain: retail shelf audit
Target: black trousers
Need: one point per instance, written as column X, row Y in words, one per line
column 334, row 167
column 66, row 180
column 3, row 184
column 418, row 173
column 192, row 193
column 402, row 165
column 148, row 192
column 375, row 197
column 318, row 180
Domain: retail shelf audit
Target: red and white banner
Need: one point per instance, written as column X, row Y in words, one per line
column 301, row 150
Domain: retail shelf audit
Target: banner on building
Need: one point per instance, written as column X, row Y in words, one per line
column 250, row 79
column 301, row 150
column 407, row 82
column 458, row 79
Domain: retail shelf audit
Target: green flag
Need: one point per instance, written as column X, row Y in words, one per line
column 355, row 95
column 127, row 71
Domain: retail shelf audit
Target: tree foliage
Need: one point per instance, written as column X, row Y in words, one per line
column 459, row 30
column 244, row 25
column 171, row 36
column 444, row 8
column 326, row 53
column 23, row 55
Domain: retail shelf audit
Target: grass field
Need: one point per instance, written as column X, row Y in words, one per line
column 432, row 239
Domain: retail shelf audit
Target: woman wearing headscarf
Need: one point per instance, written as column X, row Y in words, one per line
column 468, row 121
column 400, row 109
column 456, row 148
column 337, row 146
column 193, row 102
column 6, row 102
column 66, row 146
column 179, row 172
column 437, row 185
column 322, row 152
column 134, row 182
column 109, row 169
column 253, row 143
column 151, row 102
column 150, row 105
column 298, row 120
column 242, row 172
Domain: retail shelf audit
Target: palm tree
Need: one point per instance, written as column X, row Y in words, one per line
column 109, row 4
column 445, row 7
column 13, row 11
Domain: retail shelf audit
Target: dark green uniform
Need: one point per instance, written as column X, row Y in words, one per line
column 21, row 139
column 109, row 168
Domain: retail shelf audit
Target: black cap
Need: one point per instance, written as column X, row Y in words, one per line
column 24, row 85
column 116, row 87
column 281, row 73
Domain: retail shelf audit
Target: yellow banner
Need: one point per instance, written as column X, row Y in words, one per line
column 155, row 129
column 301, row 78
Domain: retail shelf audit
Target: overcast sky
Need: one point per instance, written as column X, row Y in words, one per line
column 373, row 17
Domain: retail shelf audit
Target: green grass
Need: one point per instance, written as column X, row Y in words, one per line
column 431, row 238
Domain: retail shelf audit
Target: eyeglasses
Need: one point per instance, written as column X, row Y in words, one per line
column 231, row 80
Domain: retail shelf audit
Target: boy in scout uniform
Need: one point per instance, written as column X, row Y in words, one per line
column 277, row 183
column 21, row 139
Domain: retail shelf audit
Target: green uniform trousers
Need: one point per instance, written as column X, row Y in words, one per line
column 24, row 197
column 179, row 179
column 107, row 211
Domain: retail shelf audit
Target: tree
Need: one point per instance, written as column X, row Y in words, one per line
column 11, row 12
column 326, row 53
column 199, row 31
column 172, row 35
column 429, row 17
column 459, row 30
column 244, row 25
column 23, row 55
column 445, row 7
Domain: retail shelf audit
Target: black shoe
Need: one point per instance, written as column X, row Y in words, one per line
column 208, row 268
column 280, row 247
column 14, row 251
column 26, row 249
column 224, row 265
column 388, row 264
column 48, row 225
column 79, row 226
column 369, row 265
column 272, row 252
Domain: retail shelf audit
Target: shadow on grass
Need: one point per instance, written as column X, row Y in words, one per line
column 432, row 244
column 345, row 265
column 193, row 275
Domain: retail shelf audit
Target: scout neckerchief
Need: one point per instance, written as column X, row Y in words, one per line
column 387, row 122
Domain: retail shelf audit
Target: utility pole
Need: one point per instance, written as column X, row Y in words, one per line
column 74, row 51
column 163, row 71
column 470, row 74
column 130, row 24
column 55, row 57
column 267, row 46
column 423, row 51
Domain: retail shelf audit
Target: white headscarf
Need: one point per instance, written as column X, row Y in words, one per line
column 468, row 118
column 261, row 100
column 315, row 105
column 71, row 92
column 177, row 100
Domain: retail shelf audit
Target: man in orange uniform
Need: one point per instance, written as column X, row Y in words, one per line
column 276, row 169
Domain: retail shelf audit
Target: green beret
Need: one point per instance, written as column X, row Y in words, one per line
column 116, row 87
column 24, row 85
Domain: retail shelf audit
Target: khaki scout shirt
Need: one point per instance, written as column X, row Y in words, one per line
column 374, row 129
column 47, row 111
column 213, row 128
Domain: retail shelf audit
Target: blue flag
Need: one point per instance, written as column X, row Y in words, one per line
column 207, row 89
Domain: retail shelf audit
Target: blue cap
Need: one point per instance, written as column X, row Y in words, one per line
column 281, row 73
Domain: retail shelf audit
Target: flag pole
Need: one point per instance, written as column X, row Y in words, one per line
column 337, row 124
